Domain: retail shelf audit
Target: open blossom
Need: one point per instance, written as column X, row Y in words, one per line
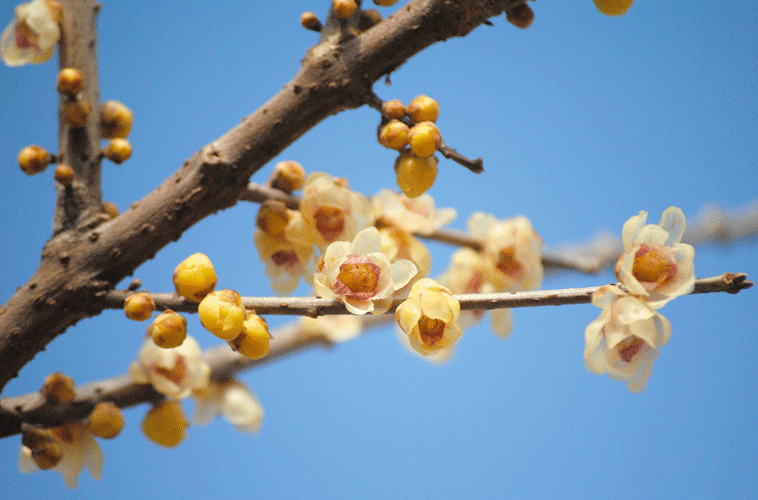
column 233, row 400
column 623, row 342
column 655, row 264
column 398, row 244
column 174, row 372
column 360, row 276
column 429, row 316
column 33, row 33
column 79, row 450
column 336, row 212
column 513, row 248
column 413, row 215
column 286, row 262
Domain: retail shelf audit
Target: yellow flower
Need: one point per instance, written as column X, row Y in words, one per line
column 429, row 316
column 33, row 33
column 360, row 276
column 174, row 372
column 624, row 340
column 286, row 260
column 234, row 401
column 655, row 265
column 413, row 215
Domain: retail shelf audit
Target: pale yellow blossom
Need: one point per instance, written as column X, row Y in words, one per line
column 429, row 317
column 413, row 215
column 286, row 262
column 32, row 35
column 468, row 273
column 233, row 400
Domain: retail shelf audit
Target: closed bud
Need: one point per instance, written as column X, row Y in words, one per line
column 423, row 109
column 222, row 313
column 110, row 209
column 393, row 135
column 415, row 175
column 521, row 16
column 106, row 420
column 254, row 340
column 272, row 217
column 64, row 175
column 76, row 112
column 139, row 306
column 613, row 7
column 115, row 120
column 310, row 21
column 58, row 388
column 118, row 151
column 288, row 176
column 34, row 159
column 424, row 139
column 194, row 277
column 344, row 8
column 169, row 329
column 165, row 424
column 393, row 109
column 70, row 81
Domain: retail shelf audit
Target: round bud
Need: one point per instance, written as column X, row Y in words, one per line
column 424, row 139
column 393, row 135
column 344, row 8
column 48, row 457
column 194, row 277
column 139, row 306
column 110, row 209
column 423, row 109
column 385, row 3
column 34, row 159
column 222, row 313
column 288, row 176
column 393, row 109
column 613, row 7
column 115, row 120
column 521, row 15
column 58, row 388
column 254, row 340
column 76, row 112
column 118, row 151
column 106, row 420
column 272, row 217
column 70, row 81
column 415, row 175
column 310, row 21
column 64, row 175
column 165, row 424
column 169, row 329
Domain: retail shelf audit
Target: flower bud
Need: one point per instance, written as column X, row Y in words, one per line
column 36, row 439
column 118, row 151
column 139, row 306
column 64, row 175
column 76, row 112
column 385, row 3
column 521, row 15
column 254, row 340
column 344, row 8
column 70, row 81
column 165, row 424
column 58, row 388
column 423, row 109
column 110, row 209
column 394, row 135
column 106, row 420
column 115, row 120
column 415, row 175
column 424, row 139
column 34, row 159
column 393, row 109
column 169, row 329
column 194, row 277
column 48, row 457
column 613, row 7
column 222, row 313
column 288, row 176
column 272, row 217
column 310, row 21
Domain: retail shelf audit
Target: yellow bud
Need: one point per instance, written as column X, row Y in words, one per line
column 424, row 139
column 48, row 457
column 521, row 16
column 393, row 109
column 139, row 306
column 272, row 217
column 394, row 135
column 118, row 151
column 76, row 112
column 415, row 175
column 169, row 329
column 222, row 313
column 254, row 340
column 310, row 21
column 423, row 109
column 106, row 420
column 194, row 277
column 288, row 176
column 115, row 120
column 344, row 8
column 34, row 159
column 110, row 209
column 385, row 3
column 64, row 175
column 58, row 388
column 70, row 81
column 613, row 7
column 165, row 424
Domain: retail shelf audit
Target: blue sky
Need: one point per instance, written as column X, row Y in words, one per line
column 582, row 120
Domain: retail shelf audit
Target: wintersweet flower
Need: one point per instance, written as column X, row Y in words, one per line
column 624, row 341
column 286, row 262
column 655, row 264
column 336, row 212
column 233, row 400
column 467, row 273
column 360, row 276
column 174, row 372
column 429, row 316
column 33, row 33
column 413, row 215
column 79, row 450
column 513, row 248
column 398, row 244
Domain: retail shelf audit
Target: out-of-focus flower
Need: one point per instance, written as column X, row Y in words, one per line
column 467, row 273
column 80, row 449
column 398, row 244
column 288, row 256
column 336, row 212
column 624, row 340
column 514, row 249
column 413, row 215
column 429, row 316
column 233, row 400
column 33, row 33
column 655, row 265
column 440, row 357
column 173, row 372
column 336, row 328
column 360, row 276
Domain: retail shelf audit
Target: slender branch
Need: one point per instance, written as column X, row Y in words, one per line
column 225, row 363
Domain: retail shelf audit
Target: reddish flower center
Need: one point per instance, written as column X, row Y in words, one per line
column 330, row 222
column 25, row 37
column 430, row 330
column 508, row 264
column 360, row 278
column 287, row 258
column 628, row 347
column 176, row 374
column 652, row 267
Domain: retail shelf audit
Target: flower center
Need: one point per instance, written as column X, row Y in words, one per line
column 25, row 37
column 430, row 330
column 628, row 347
column 508, row 264
column 176, row 374
column 652, row 267
column 360, row 278
column 284, row 258
column 330, row 222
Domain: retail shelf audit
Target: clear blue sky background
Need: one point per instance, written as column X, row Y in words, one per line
column 583, row 121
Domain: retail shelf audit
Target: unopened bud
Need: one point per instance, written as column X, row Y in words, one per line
column 272, row 217
column 165, row 424
column 288, row 176
column 254, row 340
column 194, row 277
column 34, row 159
column 169, row 329
column 70, row 81
column 106, row 420
column 139, row 306
column 118, row 151
column 222, row 313
column 115, row 120
column 76, row 112
column 310, row 21
column 64, row 175
column 58, row 388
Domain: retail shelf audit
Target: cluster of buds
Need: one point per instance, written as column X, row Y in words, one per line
column 115, row 125
column 654, row 269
